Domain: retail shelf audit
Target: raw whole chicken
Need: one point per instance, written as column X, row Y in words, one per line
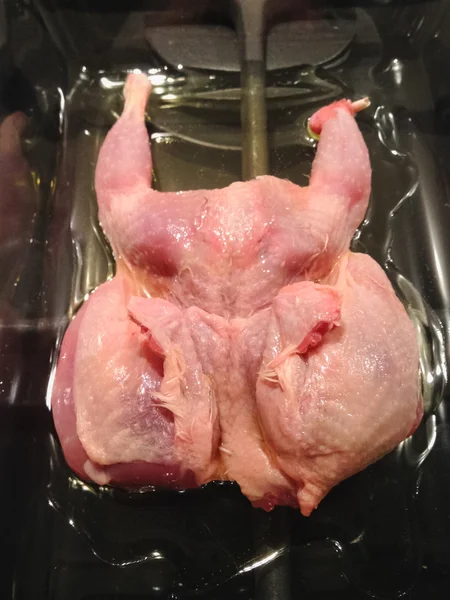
column 240, row 338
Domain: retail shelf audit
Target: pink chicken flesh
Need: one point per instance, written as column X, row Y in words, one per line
column 240, row 338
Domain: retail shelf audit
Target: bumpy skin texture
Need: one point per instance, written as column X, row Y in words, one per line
column 240, row 339
column 332, row 409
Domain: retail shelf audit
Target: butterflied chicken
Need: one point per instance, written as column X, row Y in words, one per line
column 240, row 338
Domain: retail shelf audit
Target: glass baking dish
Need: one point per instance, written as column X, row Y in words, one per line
column 381, row 534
